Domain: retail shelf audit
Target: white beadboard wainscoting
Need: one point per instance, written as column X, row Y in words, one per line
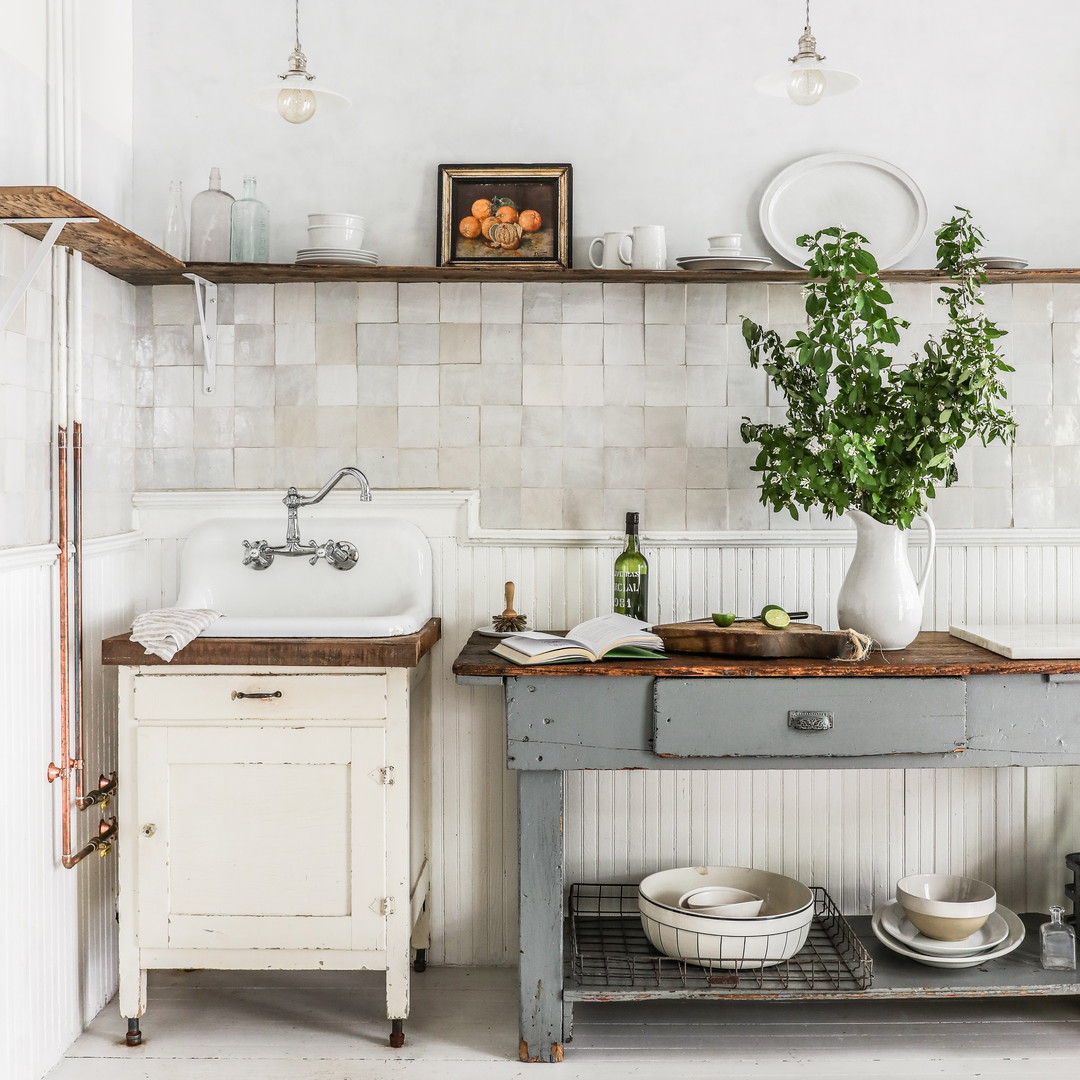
column 854, row 831
column 57, row 926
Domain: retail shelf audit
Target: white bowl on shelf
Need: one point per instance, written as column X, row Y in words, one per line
column 340, row 218
column 347, row 237
column 734, row 943
column 946, row 907
column 722, row 900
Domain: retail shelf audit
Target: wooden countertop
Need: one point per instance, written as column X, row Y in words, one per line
column 404, row 651
column 932, row 653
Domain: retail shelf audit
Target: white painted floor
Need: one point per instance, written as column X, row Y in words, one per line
column 208, row 1025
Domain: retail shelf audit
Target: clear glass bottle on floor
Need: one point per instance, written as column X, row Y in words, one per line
column 250, row 231
column 211, row 214
column 176, row 235
column 1057, row 941
column 631, row 594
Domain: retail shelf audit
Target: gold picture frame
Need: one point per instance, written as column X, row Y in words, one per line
column 505, row 215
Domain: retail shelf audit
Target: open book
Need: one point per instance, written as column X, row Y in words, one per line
column 608, row 635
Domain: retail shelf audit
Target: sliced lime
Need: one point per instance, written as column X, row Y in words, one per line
column 775, row 617
column 723, row 618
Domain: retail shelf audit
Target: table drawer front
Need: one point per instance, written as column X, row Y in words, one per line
column 251, row 696
column 843, row 717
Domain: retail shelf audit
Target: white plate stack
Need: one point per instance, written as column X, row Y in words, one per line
column 999, row 935
column 336, row 238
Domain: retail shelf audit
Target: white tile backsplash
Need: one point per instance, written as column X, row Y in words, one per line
column 605, row 391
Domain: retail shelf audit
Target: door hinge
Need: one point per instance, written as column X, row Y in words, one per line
column 386, row 905
column 386, row 774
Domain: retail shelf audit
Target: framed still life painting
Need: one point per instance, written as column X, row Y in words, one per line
column 513, row 215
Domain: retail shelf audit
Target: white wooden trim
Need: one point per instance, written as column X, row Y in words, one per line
column 20, row 558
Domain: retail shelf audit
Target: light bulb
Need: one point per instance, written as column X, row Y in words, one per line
column 296, row 104
column 806, row 85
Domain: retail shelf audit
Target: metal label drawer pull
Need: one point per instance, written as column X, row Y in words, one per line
column 809, row 720
column 261, row 697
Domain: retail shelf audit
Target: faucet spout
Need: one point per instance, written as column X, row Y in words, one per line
column 295, row 499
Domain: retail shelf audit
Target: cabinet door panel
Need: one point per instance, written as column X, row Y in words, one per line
column 253, row 828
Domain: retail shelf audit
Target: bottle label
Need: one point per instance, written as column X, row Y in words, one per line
column 629, row 592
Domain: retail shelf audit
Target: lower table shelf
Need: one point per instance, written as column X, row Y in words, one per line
column 608, row 958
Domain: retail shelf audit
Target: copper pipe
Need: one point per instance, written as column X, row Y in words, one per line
column 102, row 844
column 77, row 609
column 101, row 795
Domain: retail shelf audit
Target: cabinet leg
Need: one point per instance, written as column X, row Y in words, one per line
column 134, row 1032
column 397, row 1034
column 420, row 963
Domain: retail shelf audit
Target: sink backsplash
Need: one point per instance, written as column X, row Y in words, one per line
column 564, row 404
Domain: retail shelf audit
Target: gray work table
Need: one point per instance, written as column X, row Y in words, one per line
column 941, row 703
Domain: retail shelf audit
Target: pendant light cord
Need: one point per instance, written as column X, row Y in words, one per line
column 298, row 21
column 806, row 24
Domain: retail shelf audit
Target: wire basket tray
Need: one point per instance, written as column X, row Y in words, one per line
column 609, row 949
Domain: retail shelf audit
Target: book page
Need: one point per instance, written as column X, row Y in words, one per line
column 598, row 634
column 535, row 643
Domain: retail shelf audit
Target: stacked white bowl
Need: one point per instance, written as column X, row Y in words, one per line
column 732, row 917
column 336, row 238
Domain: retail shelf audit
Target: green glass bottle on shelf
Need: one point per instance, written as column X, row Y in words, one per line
column 632, row 575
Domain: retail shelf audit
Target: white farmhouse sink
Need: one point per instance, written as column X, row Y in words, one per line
column 386, row 594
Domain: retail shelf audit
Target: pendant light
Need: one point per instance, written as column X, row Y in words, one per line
column 809, row 79
column 295, row 96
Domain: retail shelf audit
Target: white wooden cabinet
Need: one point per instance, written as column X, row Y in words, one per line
column 273, row 818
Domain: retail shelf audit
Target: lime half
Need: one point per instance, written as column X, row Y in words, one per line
column 775, row 617
column 723, row 618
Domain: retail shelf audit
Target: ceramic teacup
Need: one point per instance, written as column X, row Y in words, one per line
column 725, row 244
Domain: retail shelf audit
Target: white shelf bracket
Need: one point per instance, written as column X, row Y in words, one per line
column 56, row 225
column 206, row 305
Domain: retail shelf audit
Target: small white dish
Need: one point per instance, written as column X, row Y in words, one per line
column 1016, row 936
column 723, row 901
column 993, row 932
column 490, row 631
column 1003, row 262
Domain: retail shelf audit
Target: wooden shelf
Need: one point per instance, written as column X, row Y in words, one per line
column 129, row 257
column 269, row 273
column 103, row 243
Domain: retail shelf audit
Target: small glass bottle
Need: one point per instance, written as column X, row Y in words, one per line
column 1057, row 941
column 250, row 232
column 211, row 212
column 176, row 236
column 632, row 575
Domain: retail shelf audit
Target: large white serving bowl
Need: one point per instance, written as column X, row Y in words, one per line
column 947, row 907
column 763, row 940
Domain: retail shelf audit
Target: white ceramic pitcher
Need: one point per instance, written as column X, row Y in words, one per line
column 880, row 596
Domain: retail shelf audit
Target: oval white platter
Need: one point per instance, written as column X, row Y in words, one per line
column 1016, row 936
column 993, row 932
column 863, row 194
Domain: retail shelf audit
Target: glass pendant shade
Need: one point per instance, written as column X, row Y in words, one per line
column 807, row 78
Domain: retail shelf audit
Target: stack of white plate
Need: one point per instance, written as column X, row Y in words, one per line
column 337, row 255
column 999, row 935
column 336, row 238
column 722, row 262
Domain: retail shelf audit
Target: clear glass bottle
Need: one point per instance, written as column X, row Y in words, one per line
column 250, row 232
column 1057, row 941
column 211, row 214
column 632, row 575
column 176, row 235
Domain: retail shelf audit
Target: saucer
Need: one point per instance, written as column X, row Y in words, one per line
column 1016, row 936
column 1003, row 262
column 490, row 631
column 993, row 932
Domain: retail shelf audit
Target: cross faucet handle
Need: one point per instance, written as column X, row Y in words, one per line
column 256, row 554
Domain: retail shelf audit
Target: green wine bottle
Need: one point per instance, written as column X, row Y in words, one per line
column 632, row 575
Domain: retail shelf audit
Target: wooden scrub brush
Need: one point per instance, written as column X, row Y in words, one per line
column 509, row 622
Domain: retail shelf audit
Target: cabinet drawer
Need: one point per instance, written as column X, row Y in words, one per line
column 247, row 696
column 808, row 717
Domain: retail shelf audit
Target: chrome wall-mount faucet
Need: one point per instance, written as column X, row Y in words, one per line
column 340, row 554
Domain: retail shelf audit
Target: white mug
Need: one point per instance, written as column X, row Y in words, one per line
column 610, row 243
column 647, row 248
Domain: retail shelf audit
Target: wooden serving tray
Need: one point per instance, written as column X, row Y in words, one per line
column 755, row 639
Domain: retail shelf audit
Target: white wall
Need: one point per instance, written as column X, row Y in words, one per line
column 652, row 104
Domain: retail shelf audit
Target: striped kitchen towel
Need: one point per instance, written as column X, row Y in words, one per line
column 166, row 631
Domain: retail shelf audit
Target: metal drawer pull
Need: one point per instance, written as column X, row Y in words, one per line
column 809, row 720
column 261, row 697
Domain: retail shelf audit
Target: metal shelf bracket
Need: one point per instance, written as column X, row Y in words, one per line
column 206, row 305
column 56, row 225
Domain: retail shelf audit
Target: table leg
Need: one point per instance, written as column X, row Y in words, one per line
column 540, row 933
